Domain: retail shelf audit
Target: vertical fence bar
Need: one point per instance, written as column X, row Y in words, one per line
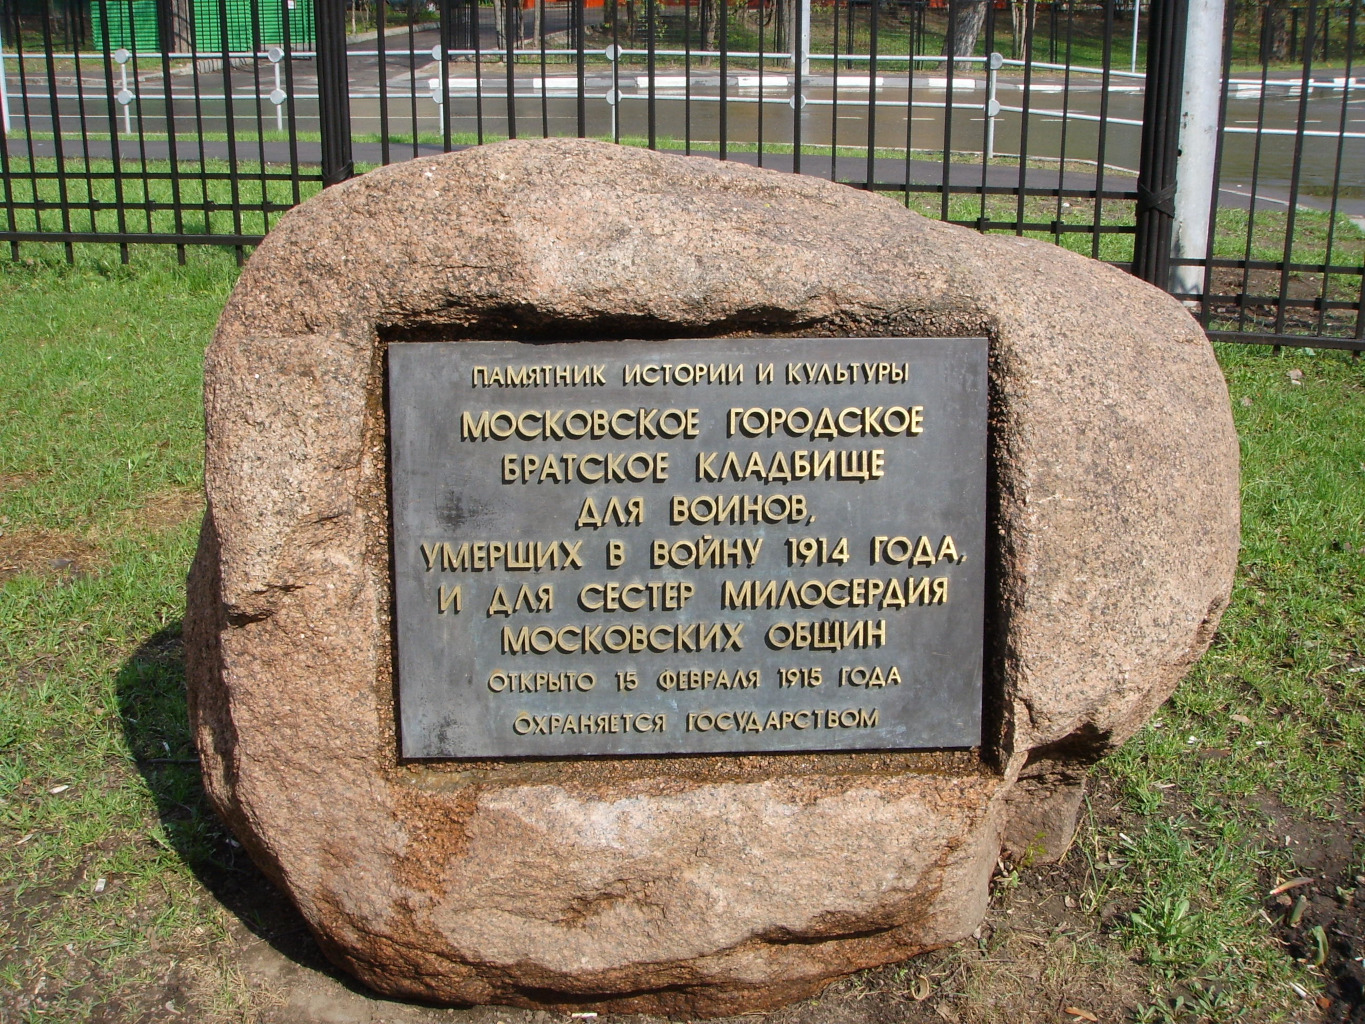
column 26, row 112
column 580, row 9
column 991, row 68
column 291, row 108
column 229, row 116
column 1229, row 33
column 544, row 71
column 412, row 77
column 448, row 43
column 950, row 48
column 83, row 121
column 834, row 108
column 475, row 14
column 198, row 115
column 1030, row 13
column 1160, row 140
column 916, row 25
column 58, row 145
column 172, row 135
column 615, row 101
column 871, row 175
column 511, row 36
column 1101, row 147
column 1342, row 121
column 650, row 70
column 115, row 153
column 1296, row 171
column 1256, row 152
column 334, row 104
column 1360, row 314
column 144, row 175
column 687, row 77
column 1066, row 110
column 800, row 31
column 381, row 47
column 6, row 127
column 724, row 77
column 257, row 43
column 762, row 10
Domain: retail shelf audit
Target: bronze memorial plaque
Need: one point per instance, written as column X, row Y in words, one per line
column 683, row 547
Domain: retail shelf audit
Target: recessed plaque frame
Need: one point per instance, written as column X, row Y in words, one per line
column 688, row 547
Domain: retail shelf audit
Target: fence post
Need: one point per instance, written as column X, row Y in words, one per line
column 1198, row 142
column 4, row 91
column 1166, row 24
column 800, row 39
column 1137, row 19
column 334, row 101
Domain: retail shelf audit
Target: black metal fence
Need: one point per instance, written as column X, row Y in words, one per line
column 200, row 121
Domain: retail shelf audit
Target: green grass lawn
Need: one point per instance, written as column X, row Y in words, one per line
column 106, row 842
column 100, row 452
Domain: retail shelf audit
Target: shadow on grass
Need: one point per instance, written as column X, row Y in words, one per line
column 152, row 706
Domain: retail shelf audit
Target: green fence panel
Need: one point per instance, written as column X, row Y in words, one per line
column 132, row 24
column 266, row 17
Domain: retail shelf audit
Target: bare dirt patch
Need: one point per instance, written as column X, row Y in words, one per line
column 47, row 553
column 167, row 510
column 15, row 481
column 1261, row 290
column 67, row 555
column 1320, row 914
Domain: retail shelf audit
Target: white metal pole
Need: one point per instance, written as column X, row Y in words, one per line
column 279, row 107
column 993, row 66
column 801, row 37
column 127, row 114
column 4, row 90
column 1198, row 142
column 1137, row 12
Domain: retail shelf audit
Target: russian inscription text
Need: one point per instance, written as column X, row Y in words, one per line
column 653, row 548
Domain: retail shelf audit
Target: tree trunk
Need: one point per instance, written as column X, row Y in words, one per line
column 1275, row 41
column 177, row 25
column 499, row 23
column 706, row 13
column 967, row 18
column 1022, row 25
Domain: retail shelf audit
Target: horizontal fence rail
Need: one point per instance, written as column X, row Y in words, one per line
column 188, row 122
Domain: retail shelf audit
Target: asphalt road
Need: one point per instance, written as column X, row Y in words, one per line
column 894, row 116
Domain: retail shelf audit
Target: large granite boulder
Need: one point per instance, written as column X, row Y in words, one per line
column 692, row 885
